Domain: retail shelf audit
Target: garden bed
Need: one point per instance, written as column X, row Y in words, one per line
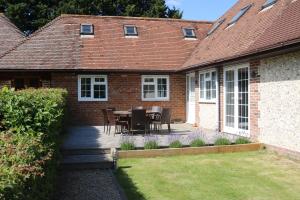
column 189, row 150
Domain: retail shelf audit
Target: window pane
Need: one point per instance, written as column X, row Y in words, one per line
column 149, row 91
column 86, row 28
column 86, row 87
column 99, row 91
column 229, row 95
column 202, row 86
column 149, row 80
column 243, row 98
column 162, row 87
column 208, row 89
column 99, row 80
column 213, row 85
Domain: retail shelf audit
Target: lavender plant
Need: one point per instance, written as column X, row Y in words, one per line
column 196, row 139
column 127, row 142
column 174, row 141
column 151, row 142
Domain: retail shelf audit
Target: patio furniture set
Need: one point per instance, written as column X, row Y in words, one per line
column 136, row 119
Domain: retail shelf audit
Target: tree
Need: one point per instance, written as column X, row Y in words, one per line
column 29, row 15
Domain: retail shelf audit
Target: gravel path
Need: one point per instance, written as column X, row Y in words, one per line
column 87, row 185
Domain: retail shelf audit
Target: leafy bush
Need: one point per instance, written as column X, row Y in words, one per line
column 242, row 141
column 176, row 144
column 31, row 121
column 197, row 143
column 222, row 141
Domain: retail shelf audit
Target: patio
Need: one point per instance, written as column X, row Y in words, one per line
column 93, row 137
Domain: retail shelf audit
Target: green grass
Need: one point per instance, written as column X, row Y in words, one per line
column 245, row 176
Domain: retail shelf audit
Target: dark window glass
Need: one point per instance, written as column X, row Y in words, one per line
column 189, row 33
column 19, row 84
column 130, row 31
column 240, row 14
column 268, row 3
column 87, row 29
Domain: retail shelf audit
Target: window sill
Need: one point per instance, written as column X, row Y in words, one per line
column 92, row 100
column 155, row 99
column 207, row 102
column 87, row 36
column 131, row 36
column 190, row 38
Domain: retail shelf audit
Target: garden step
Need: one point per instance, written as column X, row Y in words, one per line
column 102, row 161
column 94, row 151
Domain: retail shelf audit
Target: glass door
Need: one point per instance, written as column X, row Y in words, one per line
column 236, row 100
column 190, row 103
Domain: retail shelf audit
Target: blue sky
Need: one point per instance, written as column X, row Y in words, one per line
column 202, row 9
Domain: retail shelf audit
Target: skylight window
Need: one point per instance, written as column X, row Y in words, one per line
column 239, row 15
column 87, row 29
column 216, row 26
column 189, row 32
column 130, row 30
column 268, row 3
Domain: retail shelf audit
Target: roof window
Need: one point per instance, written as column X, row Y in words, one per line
column 189, row 33
column 86, row 29
column 215, row 26
column 130, row 30
column 239, row 15
column 268, row 3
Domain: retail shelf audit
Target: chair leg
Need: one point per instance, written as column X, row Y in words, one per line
column 169, row 127
column 104, row 128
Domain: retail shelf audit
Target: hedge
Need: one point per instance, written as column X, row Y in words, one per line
column 31, row 121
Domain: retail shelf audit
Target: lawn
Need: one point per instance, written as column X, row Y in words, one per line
column 247, row 176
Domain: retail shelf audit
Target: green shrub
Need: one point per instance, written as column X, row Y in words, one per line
column 176, row 144
column 222, row 141
column 242, row 141
column 125, row 146
column 197, row 143
column 151, row 145
column 31, row 121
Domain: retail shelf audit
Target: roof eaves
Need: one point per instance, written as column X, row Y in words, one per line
column 270, row 48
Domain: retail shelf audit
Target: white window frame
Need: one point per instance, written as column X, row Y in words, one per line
column 156, row 98
column 204, row 99
column 133, row 35
column 236, row 130
column 92, row 77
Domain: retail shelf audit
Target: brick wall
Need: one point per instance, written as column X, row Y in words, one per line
column 5, row 82
column 124, row 91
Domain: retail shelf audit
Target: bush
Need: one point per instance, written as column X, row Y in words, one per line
column 197, row 143
column 242, row 141
column 176, row 144
column 222, row 141
column 31, row 121
column 125, row 146
column 151, row 145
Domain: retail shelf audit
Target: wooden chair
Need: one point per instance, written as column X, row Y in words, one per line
column 165, row 118
column 112, row 120
column 139, row 121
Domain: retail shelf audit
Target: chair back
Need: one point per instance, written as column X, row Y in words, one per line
column 111, row 116
column 138, row 119
column 105, row 117
column 138, row 108
column 156, row 109
column 166, row 116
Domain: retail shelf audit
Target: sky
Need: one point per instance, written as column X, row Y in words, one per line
column 202, row 9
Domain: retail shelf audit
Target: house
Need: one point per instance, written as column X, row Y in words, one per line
column 239, row 74
column 10, row 35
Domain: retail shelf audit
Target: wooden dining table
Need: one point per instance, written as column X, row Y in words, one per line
column 127, row 113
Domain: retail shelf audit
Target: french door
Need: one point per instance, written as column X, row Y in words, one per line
column 236, row 100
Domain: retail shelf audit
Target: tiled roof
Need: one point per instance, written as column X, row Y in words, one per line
column 254, row 32
column 10, row 35
column 159, row 46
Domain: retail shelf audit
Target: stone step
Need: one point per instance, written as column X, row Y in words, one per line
column 91, row 151
column 74, row 162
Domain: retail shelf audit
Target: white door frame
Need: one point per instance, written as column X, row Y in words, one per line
column 190, row 110
column 236, row 130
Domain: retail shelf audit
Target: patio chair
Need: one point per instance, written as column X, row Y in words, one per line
column 155, row 116
column 139, row 121
column 137, row 108
column 165, row 118
column 105, row 119
column 112, row 120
